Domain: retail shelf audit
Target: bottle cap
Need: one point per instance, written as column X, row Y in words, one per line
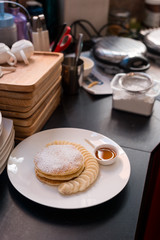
column 6, row 19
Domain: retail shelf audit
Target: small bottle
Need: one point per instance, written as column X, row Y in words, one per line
column 40, row 35
column 152, row 13
column 44, row 34
column 20, row 21
column 36, row 32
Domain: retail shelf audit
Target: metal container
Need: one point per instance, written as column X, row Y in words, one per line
column 72, row 75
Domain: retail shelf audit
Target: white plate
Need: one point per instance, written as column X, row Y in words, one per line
column 2, row 167
column 112, row 179
column 7, row 143
column 7, row 150
column 1, row 126
column 0, row 118
column 7, row 129
column 1, row 129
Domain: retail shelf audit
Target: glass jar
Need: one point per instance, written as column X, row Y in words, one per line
column 152, row 13
column 119, row 22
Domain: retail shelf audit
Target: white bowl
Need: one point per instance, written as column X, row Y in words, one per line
column 108, row 161
column 88, row 65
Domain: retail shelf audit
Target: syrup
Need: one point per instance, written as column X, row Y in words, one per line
column 105, row 154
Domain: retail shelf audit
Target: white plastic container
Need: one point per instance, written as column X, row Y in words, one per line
column 134, row 92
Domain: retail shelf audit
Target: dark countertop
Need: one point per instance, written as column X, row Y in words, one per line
column 95, row 113
column 115, row 219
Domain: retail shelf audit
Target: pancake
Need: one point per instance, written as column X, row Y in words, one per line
column 48, row 181
column 60, row 177
column 86, row 178
column 68, row 165
column 58, row 160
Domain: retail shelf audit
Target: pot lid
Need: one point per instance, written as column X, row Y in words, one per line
column 152, row 41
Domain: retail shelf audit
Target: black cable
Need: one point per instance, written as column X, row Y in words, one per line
column 85, row 29
column 80, row 21
column 86, row 21
column 103, row 27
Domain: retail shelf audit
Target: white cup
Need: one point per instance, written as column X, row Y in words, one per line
column 111, row 150
column 23, row 50
column 6, row 56
column 105, row 153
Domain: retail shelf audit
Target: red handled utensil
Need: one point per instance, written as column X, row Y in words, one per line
column 64, row 41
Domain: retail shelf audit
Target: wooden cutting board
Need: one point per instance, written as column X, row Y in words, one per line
column 30, row 95
column 30, row 120
column 23, row 132
column 22, row 109
column 37, row 94
column 23, row 115
column 27, row 78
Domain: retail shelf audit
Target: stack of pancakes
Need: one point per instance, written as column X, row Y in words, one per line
column 56, row 164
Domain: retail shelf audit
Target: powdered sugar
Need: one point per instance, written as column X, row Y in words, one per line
column 55, row 158
column 139, row 104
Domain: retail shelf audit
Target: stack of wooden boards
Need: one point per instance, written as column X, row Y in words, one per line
column 29, row 95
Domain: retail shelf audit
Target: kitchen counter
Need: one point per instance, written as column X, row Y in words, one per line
column 115, row 219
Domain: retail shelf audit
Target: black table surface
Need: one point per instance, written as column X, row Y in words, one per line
column 115, row 219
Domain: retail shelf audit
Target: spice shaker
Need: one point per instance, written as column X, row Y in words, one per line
column 134, row 92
